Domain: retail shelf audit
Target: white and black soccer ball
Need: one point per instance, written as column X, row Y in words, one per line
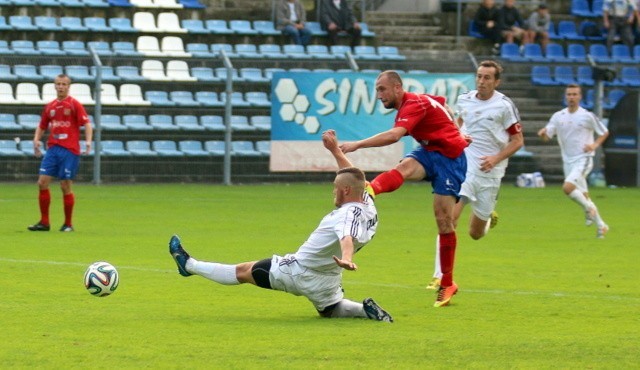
column 101, row 279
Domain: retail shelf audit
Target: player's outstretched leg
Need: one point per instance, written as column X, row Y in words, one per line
column 179, row 255
column 374, row 311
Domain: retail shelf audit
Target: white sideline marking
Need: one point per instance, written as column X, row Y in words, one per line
column 403, row 286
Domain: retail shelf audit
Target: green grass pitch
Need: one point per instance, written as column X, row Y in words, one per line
column 539, row 292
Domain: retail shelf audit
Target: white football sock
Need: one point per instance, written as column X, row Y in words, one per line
column 347, row 308
column 437, row 272
column 578, row 197
column 222, row 274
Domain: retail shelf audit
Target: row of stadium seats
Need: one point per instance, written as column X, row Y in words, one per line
column 564, row 30
column 581, row 8
column 131, row 94
column 565, row 75
column 146, row 22
column 575, row 53
column 160, row 4
column 170, row 148
column 173, row 46
column 155, row 122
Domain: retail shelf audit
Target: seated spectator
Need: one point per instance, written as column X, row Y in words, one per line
column 290, row 18
column 618, row 17
column 486, row 18
column 335, row 17
column 538, row 26
column 511, row 23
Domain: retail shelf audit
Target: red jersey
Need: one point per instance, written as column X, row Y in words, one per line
column 427, row 120
column 64, row 117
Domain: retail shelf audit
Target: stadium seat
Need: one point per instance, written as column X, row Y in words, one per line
column 511, row 51
column 162, row 122
column 390, row 53
column 244, row 148
column 178, row 70
column 366, row 32
column 24, row 47
column 4, row 26
column 73, row 24
column 242, row 27
column 112, row 122
column 636, row 53
column 79, row 73
column 599, row 53
column 140, row 148
column 153, row 70
column 630, row 76
column 576, row 53
column 132, row 95
column 143, row 3
column 109, row 95
column 124, row 48
column 473, row 30
column 107, row 75
column 204, row 74
column 159, row 98
column 237, row 100
column 199, row 50
column 555, row 53
column 252, row 75
column 10, row 148
column 541, row 75
column 71, row 3
column 268, row 72
column 613, row 98
column 194, row 26
column 585, row 26
column 101, row 48
column 122, row 25
column 97, row 24
column 22, row 23
column 192, row 4
column 75, row 48
column 533, row 53
column 366, row 53
column 129, row 73
column 568, row 31
column 149, row 46
column 192, row 148
column 28, row 93
column 188, row 122
column 184, row 98
column 218, row 27
column 166, row 148
column 261, row 123
column 82, row 93
column 584, row 76
column 145, row 22
column 319, row 52
column 241, row 123
column 49, row 72
column 258, row 98
column 247, row 51
column 271, row 51
column 28, row 121
column 46, row 23
column 169, row 22
column 136, row 122
column 120, row 3
column 263, row 147
column 27, row 72
column 563, row 75
column 227, row 48
column 49, row 92
column 7, row 75
column 266, row 28
column 212, row 123
column 620, row 53
column 26, row 146
column 7, row 120
column 94, row 3
column 208, row 99
column 113, row 147
column 174, row 47
column 221, row 73
column 553, row 34
column 580, row 8
column 168, row 4
column 316, row 29
column 49, row 48
column 4, row 48
column 215, row 147
column 295, row 51
column 6, row 94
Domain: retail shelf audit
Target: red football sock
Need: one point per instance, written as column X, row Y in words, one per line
column 447, row 256
column 387, row 182
column 44, row 200
column 69, row 201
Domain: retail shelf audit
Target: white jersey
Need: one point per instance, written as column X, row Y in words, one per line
column 486, row 121
column 358, row 220
column 574, row 131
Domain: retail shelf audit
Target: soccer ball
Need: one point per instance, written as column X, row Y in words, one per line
column 101, row 279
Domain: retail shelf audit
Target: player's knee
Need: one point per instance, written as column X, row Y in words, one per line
column 475, row 234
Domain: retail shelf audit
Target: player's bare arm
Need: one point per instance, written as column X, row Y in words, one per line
column 346, row 244
column 36, row 142
column 88, row 137
column 382, row 139
column 330, row 141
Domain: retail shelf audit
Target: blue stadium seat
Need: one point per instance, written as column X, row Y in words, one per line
column 511, row 51
column 568, row 31
column 4, row 48
column 268, row 72
column 261, row 123
column 541, row 75
column 242, row 27
column 114, row 147
column 49, row 72
column 188, row 122
column 112, row 122
column 241, row 123
column 366, row 32
column 77, row 48
column 108, row 74
column 136, row 122
column 218, row 26
column 563, row 75
column 102, row 48
column 340, row 51
column 366, row 52
column 129, row 73
column 228, row 49
column 553, row 34
column 8, row 122
column 49, row 48
column 596, row 8
column 73, row 24
column 584, row 25
column 120, row 3
column 237, row 99
column 140, row 148
column 319, row 52
column 7, row 75
column 97, row 24
column 316, row 29
column 24, row 47
column 264, row 147
column 613, row 98
column 620, row 53
column 159, row 98
column 71, row 3
column 599, row 53
column 212, row 123
column 10, row 148
column 221, row 73
column 122, row 25
column 580, row 8
column 584, row 76
column 636, row 53
column 183, row 98
column 95, row 3
column 295, row 51
column 166, row 148
column 125, row 48
column 533, row 53
column 162, row 122
column 4, row 26
column 473, row 30
column 576, row 53
column 28, row 121
column 204, row 74
column 27, row 72
column 247, row 51
column 258, row 98
column 192, row 148
column 244, row 148
column 199, row 50
column 252, row 75
column 271, row 51
column 555, row 53
column 215, row 147
column 26, row 146
column 630, row 76
column 194, row 26
column 588, row 100
column 22, row 23
column 208, row 99
column 390, row 53
column 266, row 28
column 79, row 73
column 46, row 23
column 192, row 4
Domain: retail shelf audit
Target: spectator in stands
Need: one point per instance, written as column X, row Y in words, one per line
column 538, row 26
column 511, row 23
column 335, row 17
column 290, row 19
column 486, row 18
column 618, row 17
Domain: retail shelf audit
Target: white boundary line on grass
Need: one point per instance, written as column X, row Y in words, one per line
column 403, row 286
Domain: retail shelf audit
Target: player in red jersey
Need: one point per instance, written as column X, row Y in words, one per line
column 439, row 159
column 63, row 117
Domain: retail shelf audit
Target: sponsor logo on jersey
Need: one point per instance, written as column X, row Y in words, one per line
column 52, row 113
column 67, row 112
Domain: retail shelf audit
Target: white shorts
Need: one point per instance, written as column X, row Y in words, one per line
column 576, row 172
column 481, row 193
column 322, row 289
